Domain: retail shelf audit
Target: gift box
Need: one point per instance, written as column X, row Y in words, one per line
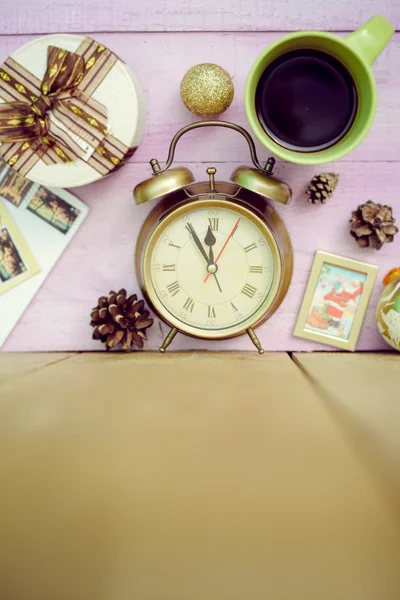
column 71, row 111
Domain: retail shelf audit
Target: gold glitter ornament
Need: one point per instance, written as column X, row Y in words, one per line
column 207, row 90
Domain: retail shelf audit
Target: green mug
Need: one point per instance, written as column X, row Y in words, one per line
column 356, row 52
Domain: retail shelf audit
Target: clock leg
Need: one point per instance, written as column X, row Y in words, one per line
column 255, row 340
column 168, row 339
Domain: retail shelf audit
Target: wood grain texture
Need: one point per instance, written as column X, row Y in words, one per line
column 361, row 393
column 48, row 16
column 101, row 255
column 218, row 484
column 12, row 365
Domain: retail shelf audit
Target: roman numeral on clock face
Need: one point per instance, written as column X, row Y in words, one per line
column 250, row 247
column 174, row 245
column 233, row 307
column 171, row 268
column 173, row 288
column 249, row 290
column 189, row 304
column 254, row 269
column 214, row 223
column 211, row 312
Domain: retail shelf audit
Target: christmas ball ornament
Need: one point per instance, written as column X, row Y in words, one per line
column 322, row 187
column 373, row 225
column 119, row 319
column 207, row 90
column 388, row 311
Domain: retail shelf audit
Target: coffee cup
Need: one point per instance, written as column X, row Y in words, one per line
column 311, row 97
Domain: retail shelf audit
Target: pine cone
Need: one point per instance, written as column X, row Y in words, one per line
column 373, row 225
column 322, row 187
column 120, row 320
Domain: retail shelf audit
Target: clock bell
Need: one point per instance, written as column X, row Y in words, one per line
column 258, row 179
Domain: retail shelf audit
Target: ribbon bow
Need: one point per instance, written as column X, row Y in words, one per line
column 57, row 119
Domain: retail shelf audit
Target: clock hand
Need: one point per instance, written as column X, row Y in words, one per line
column 209, row 241
column 224, row 246
column 197, row 241
column 200, row 247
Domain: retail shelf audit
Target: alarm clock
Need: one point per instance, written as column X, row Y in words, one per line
column 213, row 259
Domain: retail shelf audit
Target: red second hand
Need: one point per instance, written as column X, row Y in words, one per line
column 223, row 247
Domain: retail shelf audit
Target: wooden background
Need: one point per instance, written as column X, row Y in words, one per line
column 160, row 40
column 194, row 489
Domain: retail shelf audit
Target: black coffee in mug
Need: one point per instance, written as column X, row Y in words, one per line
column 306, row 100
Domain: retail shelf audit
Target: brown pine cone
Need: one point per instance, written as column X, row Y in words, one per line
column 120, row 320
column 322, row 187
column 372, row 225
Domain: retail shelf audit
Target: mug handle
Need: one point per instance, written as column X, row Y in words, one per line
column 369, row 40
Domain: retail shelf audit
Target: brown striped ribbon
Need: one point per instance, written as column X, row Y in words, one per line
column 28, row 133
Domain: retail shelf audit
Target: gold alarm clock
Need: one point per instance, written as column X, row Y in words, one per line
column 213, row 259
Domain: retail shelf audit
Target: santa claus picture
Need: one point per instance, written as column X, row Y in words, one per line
column 335, row 301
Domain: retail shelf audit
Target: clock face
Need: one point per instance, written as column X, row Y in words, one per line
column 212, row 266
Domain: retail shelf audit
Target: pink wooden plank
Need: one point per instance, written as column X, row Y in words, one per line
column 47, row 16
column 160, row 61
column 101, row 257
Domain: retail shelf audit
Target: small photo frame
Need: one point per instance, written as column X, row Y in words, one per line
column 56, row 211
column 11, row 263
column 17, row 262
column 14, row 188
column 336, row 300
